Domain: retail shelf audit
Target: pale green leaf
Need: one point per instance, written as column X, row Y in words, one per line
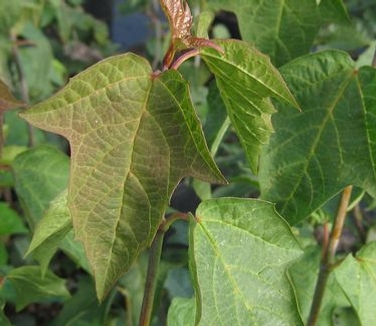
column 204, row 21
column 31, row 287
column 246, row 79
column 239, row 251
column 357, row 278
column 10, row 152
column 9, row 14
column 303, row 275
column 41, row 174
column 133, row 137
column 53, row 232
column 36, row 61
column 182, row 312
column 315, row 153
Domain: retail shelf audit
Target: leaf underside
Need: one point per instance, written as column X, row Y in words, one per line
column 316, row 153
column 133, row 137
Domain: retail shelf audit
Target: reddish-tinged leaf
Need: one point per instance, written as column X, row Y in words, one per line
column 179, row 17
column 180, row 21
column 7, row 100
column 133, row 137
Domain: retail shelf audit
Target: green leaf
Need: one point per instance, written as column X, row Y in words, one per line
column 31, row 287
column 356, row 277
column 284, row 29
column 303, row 276
column 204, row 21
column 37, row 62
column 240, row 249
column 333, row 11
column 246, row 79
column 10, row 221
column 316, row 153
column 10, row 152
column 9, row 14
column 83, row 307
column 41, row 174
column 75, row 250
column 3, row 318
column 55, row 231
column 3, row 256
column 216, row 119
column 133, row 286
column 133, row 137
column 182, row 312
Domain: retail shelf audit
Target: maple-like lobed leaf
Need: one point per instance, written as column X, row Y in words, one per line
column 133, row 137
column 316, row 153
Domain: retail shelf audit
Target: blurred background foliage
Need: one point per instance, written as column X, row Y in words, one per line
column 45, row 42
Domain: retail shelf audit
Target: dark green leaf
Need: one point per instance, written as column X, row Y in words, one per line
column 133, row 137
column 83, row 307
column 240, row 250
column 314, row 154
column 10, row 221
column 284, row 29
column 333, row 11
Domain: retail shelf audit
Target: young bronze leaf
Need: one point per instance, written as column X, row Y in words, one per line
column 133, row 137
column 180, row 21
column 179, row 18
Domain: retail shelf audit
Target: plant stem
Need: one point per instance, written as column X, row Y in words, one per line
column 151, row 279
column 154, row 259
column 328, row 257
column 184, row 57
